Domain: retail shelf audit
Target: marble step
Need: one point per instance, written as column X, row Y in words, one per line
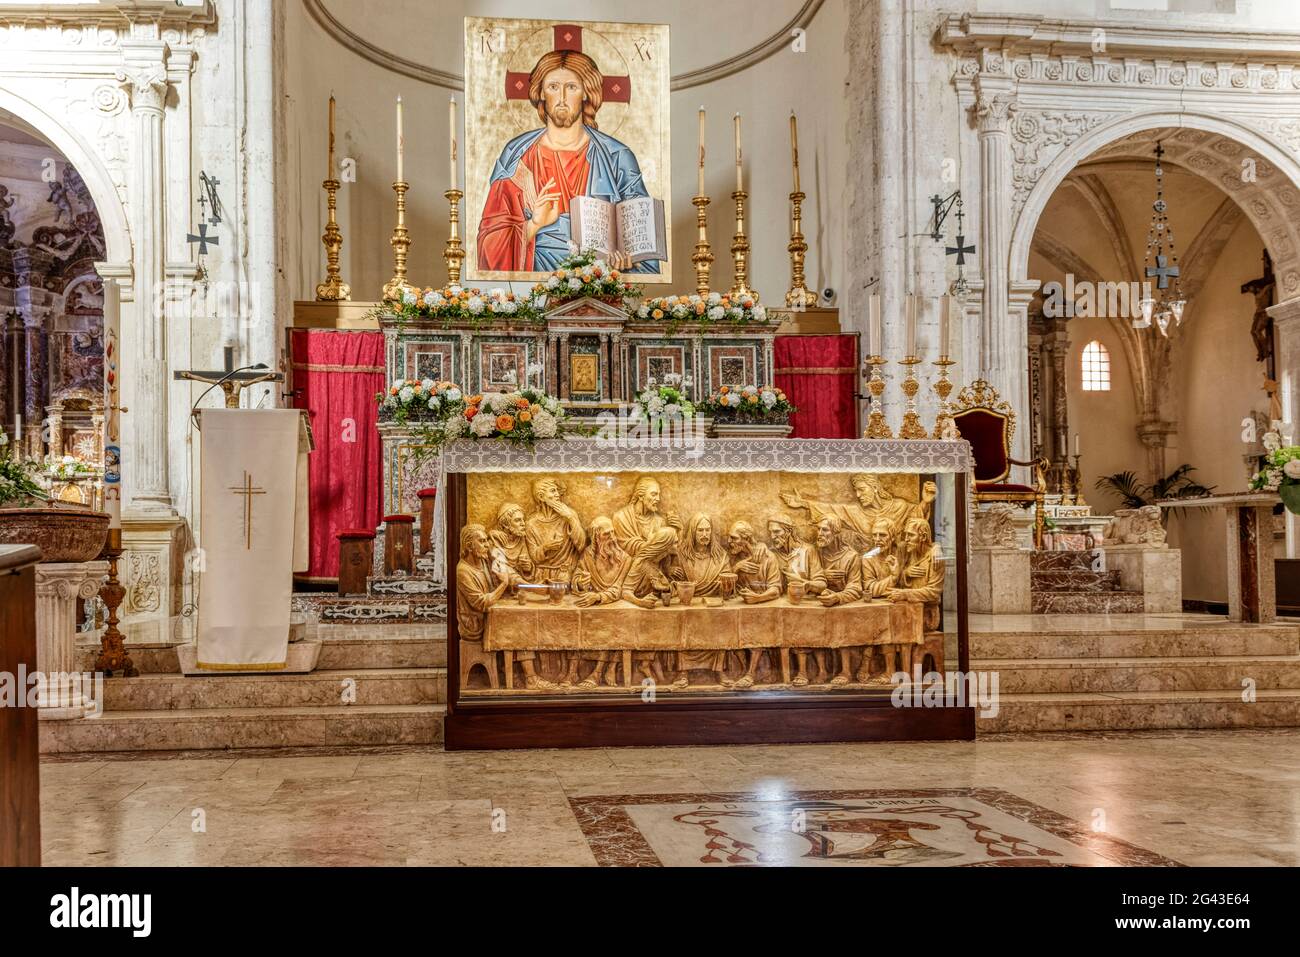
column 1060, row 561
column 1074, row 580
column 1100, row 639
column 227, row 728
column 1086, row 602
column 152, row 659
column 374, row 686
column 1108, row 675
column 1133, row 710
column 369, row 651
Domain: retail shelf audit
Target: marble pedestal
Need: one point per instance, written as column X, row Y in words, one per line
column 58, row 586
column 1154, row 570
column 1252, row 592
column 998, row 581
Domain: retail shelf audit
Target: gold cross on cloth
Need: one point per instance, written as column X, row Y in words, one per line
column 248, row 490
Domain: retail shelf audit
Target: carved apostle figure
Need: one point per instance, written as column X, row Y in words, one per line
column 702, row 555
column 509, row 541
column 640, row 519
column 793, row 556
column 874, row 502
column 921, row 577
column 838, row 580
column 880, row 563
column 477, row 590
column 647, row 580
column 554, row 533
column 598, row 580
column 758, row 579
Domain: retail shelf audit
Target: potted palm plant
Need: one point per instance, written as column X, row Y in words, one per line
column 63, row 533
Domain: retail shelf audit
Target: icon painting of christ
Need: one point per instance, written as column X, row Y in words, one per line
column 564, row 122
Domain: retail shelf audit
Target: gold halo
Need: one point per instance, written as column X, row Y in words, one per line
column 607, row 58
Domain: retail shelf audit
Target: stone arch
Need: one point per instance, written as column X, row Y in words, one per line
column 1281, row 235
column 112, row 213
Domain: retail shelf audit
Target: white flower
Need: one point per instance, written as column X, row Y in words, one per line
column 551, row 405
column 455, row 290
column 434, row 402
column 399, row 383
column 476, row 305
column 715, row 298
column 680, row 311
column 672, row 410
column 717, row 312
column 643, row 311
column 1273, row 480
column 573, row 248
column 760, row 313
column 552, row 282
column 1292, row 469
column 651, row 383
column 510, row 308
column 453, row 394
column 4, row 439
column 733, row 398
column 1272, row 441
column 768, row 398
column 499, row 401
column 408, row 297
column 575, row 283
column 736, row 312
column 482, row 425
column 545, row 425
column 406, row 394
column 455, row 427
column 673, row 379
column 426, row 385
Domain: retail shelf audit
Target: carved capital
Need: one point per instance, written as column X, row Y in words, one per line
column 993, row 108
column 145, row 82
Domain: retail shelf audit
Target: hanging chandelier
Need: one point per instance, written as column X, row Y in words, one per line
column 1161, row 264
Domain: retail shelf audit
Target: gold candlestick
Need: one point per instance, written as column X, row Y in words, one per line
column 877, row 427
column 112, row 648
column 944, row 427
column 333, row 289
column 799, row 297
column 703, row 256
column 454, row 255
column 740, row 249
column 912, row 427
column 400, row 242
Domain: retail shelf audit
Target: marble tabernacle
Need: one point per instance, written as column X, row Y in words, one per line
column 583, row 574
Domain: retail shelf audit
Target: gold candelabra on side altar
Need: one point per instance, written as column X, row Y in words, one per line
column 799, row 295
column 401, row 243
column 703, row 255
column 333, row 289
column 912, row 427
column 877, row 427
column 740, row 250
column 454, row 254
column 944, row 427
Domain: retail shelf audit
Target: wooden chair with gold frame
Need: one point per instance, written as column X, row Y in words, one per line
column 988, row 423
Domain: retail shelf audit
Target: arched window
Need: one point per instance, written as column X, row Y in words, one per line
column 1096, row 367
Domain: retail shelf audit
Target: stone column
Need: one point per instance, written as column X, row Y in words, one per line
column 1286, row 327
column 58, row 586
column 144, row 76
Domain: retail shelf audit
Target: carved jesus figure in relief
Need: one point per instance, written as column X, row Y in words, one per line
column 648, row 580
column 477, row 590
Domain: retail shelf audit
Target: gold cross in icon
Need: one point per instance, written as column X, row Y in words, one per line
column 248, row 490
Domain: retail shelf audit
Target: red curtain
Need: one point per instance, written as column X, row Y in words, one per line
column 335, row 376
column 819, row 374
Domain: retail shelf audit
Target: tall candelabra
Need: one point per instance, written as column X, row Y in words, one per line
column 912, row 427
column 112, row 655
column 400, row 242
column 799, row 295
column 740, row 249
column 333, row 289
column 944, row 427
column 877, row 427
column 703, row 256
column 454, row 254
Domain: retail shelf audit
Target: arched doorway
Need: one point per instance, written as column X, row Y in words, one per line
column 1181, row 398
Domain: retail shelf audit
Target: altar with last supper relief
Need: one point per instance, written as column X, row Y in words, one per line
column 731, row 591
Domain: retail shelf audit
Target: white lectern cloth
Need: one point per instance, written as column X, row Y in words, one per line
column 253, row 500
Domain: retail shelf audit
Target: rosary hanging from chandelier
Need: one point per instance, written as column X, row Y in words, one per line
column 1165, row 303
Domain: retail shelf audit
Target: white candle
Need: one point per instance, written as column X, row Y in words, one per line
column 945, row 325
column 740, row 179
column 794, row 148
column 400, row 145
column 875, row 328
column 699, row 188
column 329, row 171
column 1076, row 444
column 452, row 127
column 911, row 326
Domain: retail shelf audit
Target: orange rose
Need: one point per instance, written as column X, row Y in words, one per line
column 724, row 390
column 525, row 416
column 476, row 400
column 658, row 314
column 597, row 271
column 699, row 308
column 393, row 390
column 753, row 400
column 505, row 423
column 521, row 403
column 613, row 274
column 471, row 412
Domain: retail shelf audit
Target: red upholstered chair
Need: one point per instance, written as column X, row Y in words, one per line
column 988, row 424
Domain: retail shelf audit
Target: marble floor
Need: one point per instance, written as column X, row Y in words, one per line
column 1197, row 798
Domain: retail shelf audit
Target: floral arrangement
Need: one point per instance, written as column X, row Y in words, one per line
column 713, row 308
column 582, row 274
column 419, row 399
column 17, row 478
column 659, row 404
column 748, row 405
column 1281, row 471
column 477, row 307
column 68, row 468
column 522, row 417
